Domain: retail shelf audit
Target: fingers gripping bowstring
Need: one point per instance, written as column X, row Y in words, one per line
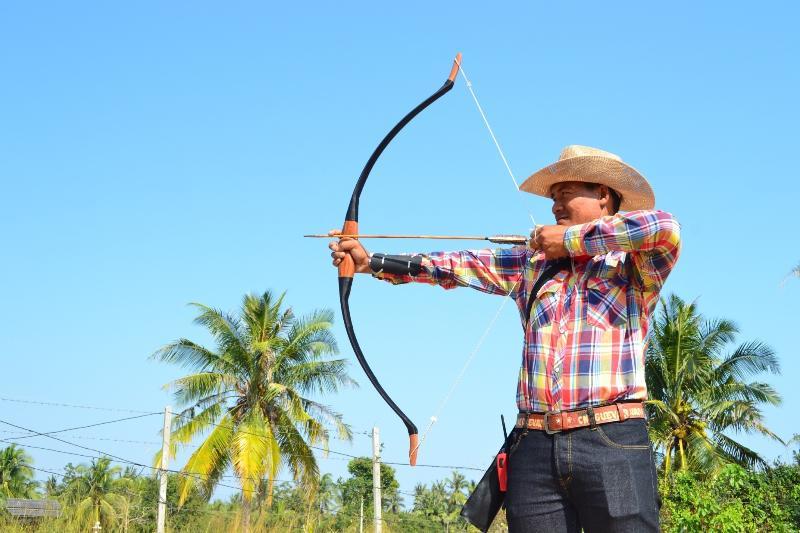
column 435, row 417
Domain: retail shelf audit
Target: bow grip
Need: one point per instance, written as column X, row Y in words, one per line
column 347, row 268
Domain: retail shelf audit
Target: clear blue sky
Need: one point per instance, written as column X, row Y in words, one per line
column 153, row 154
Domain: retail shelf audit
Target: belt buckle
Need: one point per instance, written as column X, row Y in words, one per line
column 547, row 423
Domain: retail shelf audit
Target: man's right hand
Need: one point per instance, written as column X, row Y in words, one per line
column 349, row 246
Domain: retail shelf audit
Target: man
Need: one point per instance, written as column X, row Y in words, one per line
column 581, row 456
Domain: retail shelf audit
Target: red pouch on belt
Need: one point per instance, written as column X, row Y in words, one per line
column 502, row 471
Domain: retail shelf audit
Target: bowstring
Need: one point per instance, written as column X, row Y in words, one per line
column 468, row 83
column 435, row 417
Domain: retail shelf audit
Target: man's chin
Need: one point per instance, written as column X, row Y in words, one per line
column 563, row 222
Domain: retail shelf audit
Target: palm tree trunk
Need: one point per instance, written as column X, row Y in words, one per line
column 683, row 455
column 245, row 513
column 270, row 488
column 309, row 507
column 668, row 458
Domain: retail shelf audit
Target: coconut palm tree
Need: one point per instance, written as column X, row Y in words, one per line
column 248, row 397
column 433, row 502
column 699, row 389
column 95, row 492
column 16, row 474
column 456, row 483
column 327, row 495
column 793, row 273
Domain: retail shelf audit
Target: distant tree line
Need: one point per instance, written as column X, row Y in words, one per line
column 252, row 407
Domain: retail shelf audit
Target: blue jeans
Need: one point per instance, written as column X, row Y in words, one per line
column 601, row 479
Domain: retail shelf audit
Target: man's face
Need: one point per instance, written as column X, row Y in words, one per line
column 575, row 202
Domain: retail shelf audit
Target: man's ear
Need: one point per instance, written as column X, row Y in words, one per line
column 604, row 194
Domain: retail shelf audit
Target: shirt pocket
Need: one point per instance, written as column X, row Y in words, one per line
column 544, row 307
column 606, row 302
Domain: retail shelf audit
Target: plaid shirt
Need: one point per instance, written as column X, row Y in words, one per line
column 585, row 341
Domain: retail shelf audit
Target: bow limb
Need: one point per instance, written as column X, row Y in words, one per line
column 347, row 267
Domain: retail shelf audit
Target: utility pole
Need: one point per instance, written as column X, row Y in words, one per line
column 162, row 489
column 361, row 517
column 376, row 478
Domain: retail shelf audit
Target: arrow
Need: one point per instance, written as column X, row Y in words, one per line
column 498, row 239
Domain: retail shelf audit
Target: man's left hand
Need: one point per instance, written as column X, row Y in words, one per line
column 550, row 240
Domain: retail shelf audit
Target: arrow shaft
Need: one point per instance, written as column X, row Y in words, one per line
column 503, row 239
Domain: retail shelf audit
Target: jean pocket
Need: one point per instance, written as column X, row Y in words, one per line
column 606, row 304
column 628, row 435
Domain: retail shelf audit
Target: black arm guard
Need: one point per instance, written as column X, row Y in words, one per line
column 396, row 264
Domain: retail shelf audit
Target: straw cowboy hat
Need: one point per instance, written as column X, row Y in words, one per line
column 591, row 165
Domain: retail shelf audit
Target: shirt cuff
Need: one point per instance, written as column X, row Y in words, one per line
column 573, row 241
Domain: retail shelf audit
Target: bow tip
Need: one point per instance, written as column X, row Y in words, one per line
column 413, row 446
column 456, row 66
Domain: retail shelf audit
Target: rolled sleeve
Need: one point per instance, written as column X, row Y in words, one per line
column 651, row 237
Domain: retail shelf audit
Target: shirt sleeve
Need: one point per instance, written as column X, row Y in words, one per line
column 651, row 237
column 494, row 271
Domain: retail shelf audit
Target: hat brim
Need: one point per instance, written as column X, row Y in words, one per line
column 634, row 190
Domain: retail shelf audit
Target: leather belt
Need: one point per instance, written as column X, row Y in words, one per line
column 558, row 421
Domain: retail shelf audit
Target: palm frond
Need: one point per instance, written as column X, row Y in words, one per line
column 732, row 390
column 315, row 326
column 320, row 417
column 253, row 452
column 187, row 425
column 188, row 354
column 207, row 462
column 715, row 335
column 299, row 457
column 227, row 332
column 318, row 377
column 198, row 386
column 749, row 359
column 738, row 453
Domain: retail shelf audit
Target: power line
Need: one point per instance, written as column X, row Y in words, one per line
column 74, row 406
column 48, row 433
column 115, row 457
column 89, row 437
column 126, row 410
column 134, row 463
column 449, row 467
column 43, row 448
column 146, row 413
column 344, row 454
